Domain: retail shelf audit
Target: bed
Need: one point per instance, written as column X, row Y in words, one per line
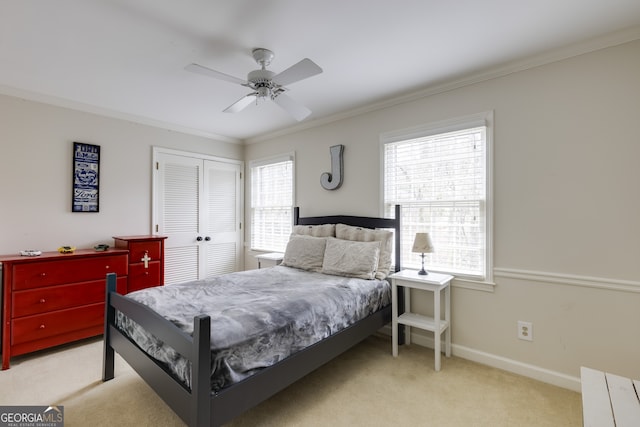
column 200, row 398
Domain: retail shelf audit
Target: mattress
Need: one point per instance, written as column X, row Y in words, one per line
column 258, row 317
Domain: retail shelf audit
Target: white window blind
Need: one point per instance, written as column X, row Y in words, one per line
column 440, row 180
column 271, row 203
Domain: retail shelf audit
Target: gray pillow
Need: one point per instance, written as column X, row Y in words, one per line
column 362, row 234
column 351, row 258
column 322, row 230
column 305, row 252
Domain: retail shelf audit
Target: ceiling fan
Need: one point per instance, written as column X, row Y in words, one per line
column 266, row 84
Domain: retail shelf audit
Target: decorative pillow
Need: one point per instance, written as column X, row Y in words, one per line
column 351, row 258
column 323, row 230
column 305, row 252
column 360, row 234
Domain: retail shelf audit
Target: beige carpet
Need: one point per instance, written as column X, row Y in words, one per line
column 364, row 387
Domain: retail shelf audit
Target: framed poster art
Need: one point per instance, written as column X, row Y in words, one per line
column 86, row 178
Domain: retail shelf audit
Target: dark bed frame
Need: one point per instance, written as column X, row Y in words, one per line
column 199, row 406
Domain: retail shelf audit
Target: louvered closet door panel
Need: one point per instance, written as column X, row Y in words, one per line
column 178, row 211
column 181, row 265
column 222, row 218
column 198, row 206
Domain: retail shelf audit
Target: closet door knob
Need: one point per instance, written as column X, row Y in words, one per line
column 199, row 238
column 207, row 238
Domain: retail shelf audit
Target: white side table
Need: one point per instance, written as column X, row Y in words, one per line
column 269, row 260
column 433, row 282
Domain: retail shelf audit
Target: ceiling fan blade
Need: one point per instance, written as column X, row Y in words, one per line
column 300, row 71
column 297, row 111
column 199, row 69
column 241, row 104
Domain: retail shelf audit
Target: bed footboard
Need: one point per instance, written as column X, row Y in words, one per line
column 193, row 406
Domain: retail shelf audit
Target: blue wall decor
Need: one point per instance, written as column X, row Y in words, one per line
column 86, row 175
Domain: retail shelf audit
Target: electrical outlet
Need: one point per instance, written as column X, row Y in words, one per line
column 525, row 330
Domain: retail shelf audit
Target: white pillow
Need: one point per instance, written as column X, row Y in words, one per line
column 305, row 252
column 322, row 230
column 360, row 234
column 350, row 258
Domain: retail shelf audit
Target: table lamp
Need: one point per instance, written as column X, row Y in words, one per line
column 422, row 244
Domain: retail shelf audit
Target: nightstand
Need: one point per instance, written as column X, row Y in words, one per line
column 432, row 282
column 269, row 260
column 146, row 260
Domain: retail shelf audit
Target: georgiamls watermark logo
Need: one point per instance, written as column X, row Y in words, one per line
column 31, row 416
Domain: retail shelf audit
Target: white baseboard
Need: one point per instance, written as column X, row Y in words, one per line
column 509, row 365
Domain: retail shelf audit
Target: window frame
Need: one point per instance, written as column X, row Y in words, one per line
column 451, row 125
column 290, row 156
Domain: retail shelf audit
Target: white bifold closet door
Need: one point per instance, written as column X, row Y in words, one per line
column 198, row 206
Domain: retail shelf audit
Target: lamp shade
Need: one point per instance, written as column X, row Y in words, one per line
column 422, row 243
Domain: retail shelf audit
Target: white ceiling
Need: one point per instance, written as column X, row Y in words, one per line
column 126, row 58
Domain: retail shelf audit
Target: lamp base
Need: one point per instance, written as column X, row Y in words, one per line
column 423, row 272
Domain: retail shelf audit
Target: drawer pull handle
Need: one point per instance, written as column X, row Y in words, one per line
column 107, row 267
column 41, row 326
column 146, row 273
column 42, row 300
column 43, row 274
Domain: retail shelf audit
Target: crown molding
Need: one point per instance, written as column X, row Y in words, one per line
column 105, row 112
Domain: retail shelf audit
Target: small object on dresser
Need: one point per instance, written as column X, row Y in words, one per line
column 101, row 247
column 30, row 252
column 66, row 249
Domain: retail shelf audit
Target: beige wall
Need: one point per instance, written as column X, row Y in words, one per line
column 36, row 144
column 567, row 211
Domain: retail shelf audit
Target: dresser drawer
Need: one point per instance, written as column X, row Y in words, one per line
column 137, row 250
column 46, row 273
column 33, row 301
column 42, row 326
column 142, row 278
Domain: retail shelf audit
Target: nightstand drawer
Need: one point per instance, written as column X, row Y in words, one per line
column 138, row 249
column 142, row 278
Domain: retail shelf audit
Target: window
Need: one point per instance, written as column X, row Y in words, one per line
column 271, row 203
column 440, row 175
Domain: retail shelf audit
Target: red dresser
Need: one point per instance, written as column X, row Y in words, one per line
column 146, row 260
column 55, row 298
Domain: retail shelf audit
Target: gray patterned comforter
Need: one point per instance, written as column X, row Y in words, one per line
column 258, row 317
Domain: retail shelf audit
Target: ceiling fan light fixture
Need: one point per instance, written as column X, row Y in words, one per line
column 263, row 92
column 267, row 84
